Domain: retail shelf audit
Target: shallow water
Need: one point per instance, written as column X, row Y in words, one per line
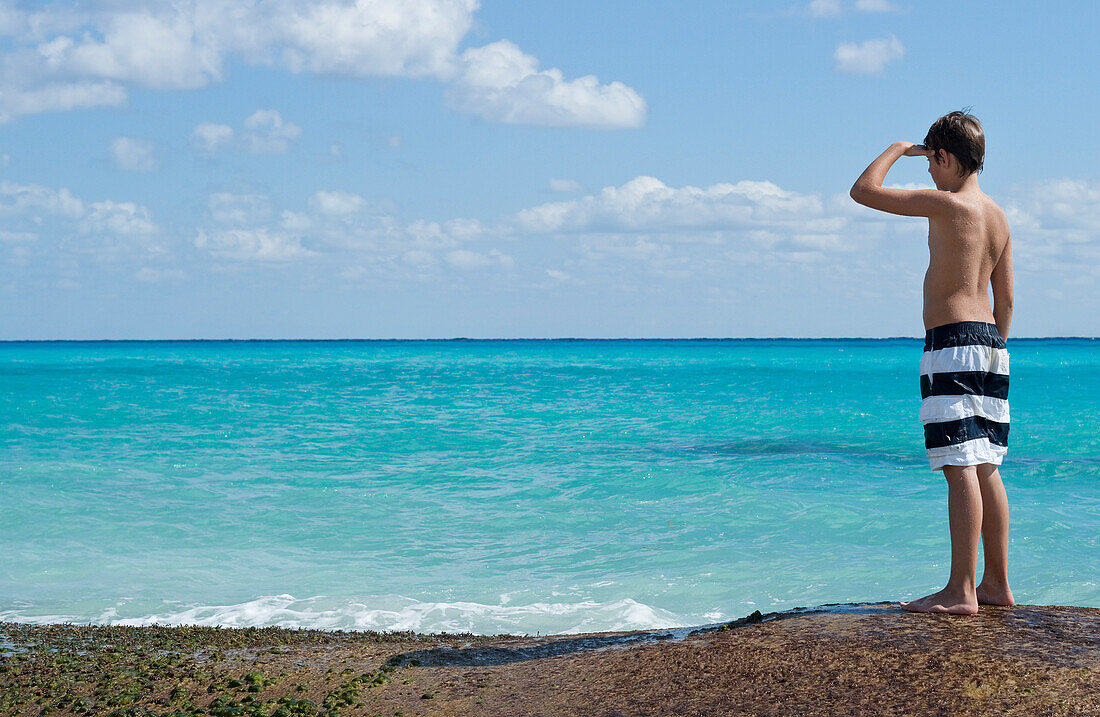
column 510, row 486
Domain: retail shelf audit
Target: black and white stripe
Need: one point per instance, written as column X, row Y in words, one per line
column 964, row 392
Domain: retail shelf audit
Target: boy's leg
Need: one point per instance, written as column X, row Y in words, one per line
column 964, row 509
column 993, row 589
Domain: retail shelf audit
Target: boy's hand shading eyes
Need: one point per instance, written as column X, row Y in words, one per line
column 917, row 150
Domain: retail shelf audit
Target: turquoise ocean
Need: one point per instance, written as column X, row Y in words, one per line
column 511, row 486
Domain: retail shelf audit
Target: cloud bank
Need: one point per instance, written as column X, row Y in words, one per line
column 744, row 238
column 60, row 57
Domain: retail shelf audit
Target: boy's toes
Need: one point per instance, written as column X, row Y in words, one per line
column 943, row 602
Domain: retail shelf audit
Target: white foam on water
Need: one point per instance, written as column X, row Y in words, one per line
column 391, row 613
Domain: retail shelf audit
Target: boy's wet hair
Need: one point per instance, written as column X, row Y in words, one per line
column 960, row 133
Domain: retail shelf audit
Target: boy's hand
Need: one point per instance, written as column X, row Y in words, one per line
column 914, row 150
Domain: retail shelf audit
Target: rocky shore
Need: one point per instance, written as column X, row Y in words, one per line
column 869, row 659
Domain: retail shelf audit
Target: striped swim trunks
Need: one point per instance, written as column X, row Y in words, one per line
column 964, row 392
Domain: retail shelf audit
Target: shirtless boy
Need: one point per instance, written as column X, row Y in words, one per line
column 964, row 369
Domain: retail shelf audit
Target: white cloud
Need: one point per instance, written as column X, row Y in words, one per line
column 57, row 226
column 252, row 244
column 646, row 204
column 133, row 155
column 239, row 209
column 343, row 227
column 565, row 186
column 1055, row 225
column 464, row 229
column 412, row 38
column 629, row 247
column 1065, row 203
column 266, row 132
column 868, row 58
column 124, row 218
column 158, row 45
column 297, row 222
column 465, row 259
column 336, row 203
column 16, row 101
column 876, row 6
column 419, row 234
column 210, row 137
column 499, row 82
column 24, row 199
column 824, row 8
column 5, row 159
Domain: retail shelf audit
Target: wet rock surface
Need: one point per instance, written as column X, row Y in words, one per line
column 869, row 659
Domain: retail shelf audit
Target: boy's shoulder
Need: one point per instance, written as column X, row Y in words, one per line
column 994, row 211
column 971, row 216
column 972, row 203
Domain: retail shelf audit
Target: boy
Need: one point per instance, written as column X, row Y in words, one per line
column 964, row 369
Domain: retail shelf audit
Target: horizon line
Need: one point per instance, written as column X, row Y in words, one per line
column 517, row 339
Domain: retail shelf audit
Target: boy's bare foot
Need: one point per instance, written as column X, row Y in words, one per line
column 947, row 601
column 993, row 594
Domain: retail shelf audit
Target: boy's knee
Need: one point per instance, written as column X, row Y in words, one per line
column 986, row 471
column 957, row 473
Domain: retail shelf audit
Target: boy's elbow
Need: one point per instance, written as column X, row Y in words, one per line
column 863, row 193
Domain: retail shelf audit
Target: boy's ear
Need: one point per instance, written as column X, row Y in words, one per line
column 947, row 160
column 950, row 161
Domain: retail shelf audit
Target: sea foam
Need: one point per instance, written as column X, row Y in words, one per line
column 389, row 613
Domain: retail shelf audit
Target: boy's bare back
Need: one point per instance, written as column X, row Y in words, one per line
column 966, row 246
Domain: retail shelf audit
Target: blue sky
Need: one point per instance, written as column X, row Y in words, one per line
column 439, row 168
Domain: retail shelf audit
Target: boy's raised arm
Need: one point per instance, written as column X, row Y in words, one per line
column 1001, row 283
column 869, row 192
